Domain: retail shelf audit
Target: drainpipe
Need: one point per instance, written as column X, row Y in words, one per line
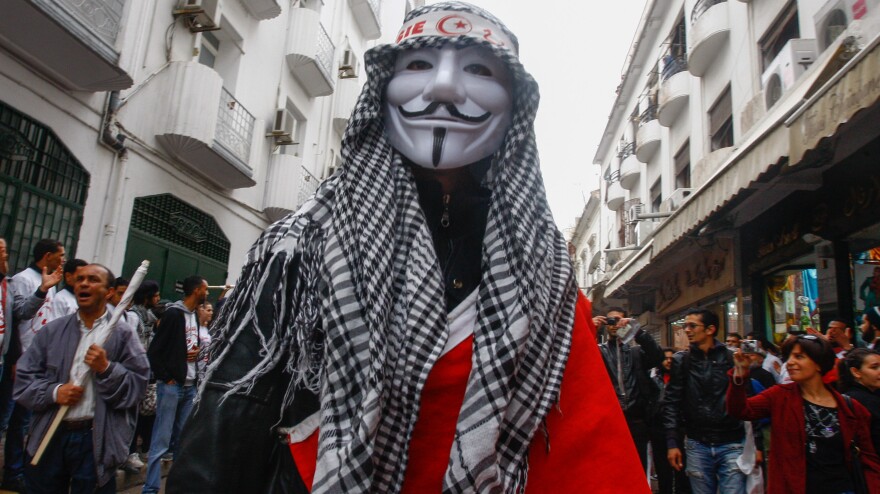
column 115, row 185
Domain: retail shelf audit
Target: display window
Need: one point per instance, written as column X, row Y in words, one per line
column 791, row 297
column 866, row 280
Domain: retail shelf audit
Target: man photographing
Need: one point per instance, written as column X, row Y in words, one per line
column 629, row 368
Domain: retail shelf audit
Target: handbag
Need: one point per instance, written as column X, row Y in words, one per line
column 148, row 403
column 858, row 473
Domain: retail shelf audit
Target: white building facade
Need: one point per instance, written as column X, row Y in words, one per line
column 713, row 139
column 171, row 130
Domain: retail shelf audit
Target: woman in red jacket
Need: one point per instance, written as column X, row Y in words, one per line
column 813, row 425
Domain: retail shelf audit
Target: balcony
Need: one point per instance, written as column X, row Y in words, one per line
column 366, row 14
column 346, row 96
column 710, row 30
column 204, row 126
column 71, row 42
column 288, row 186
column 648, row 135
column 675, row 86
column 629, row 168
column 310, row 57
column 262, row 9
column 615, row 196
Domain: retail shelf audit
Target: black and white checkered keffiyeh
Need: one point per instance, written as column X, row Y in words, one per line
column 359, row 318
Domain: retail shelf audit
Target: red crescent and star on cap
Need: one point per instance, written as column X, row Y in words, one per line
column 453, row 25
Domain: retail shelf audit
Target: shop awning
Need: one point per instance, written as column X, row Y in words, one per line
column 633, row 266
column 855, row 87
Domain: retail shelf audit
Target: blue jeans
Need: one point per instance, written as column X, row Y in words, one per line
column 173, row 404
column 68, row 465
column 713, row 467
column 14, row 420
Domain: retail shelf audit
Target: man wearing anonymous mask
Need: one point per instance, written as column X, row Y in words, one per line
column 415, row 327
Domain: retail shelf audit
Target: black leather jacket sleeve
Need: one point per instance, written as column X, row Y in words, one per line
column 652, row 354
column 230, row 445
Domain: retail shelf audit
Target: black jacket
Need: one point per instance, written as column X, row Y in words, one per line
column 167, row 351
column 871, row 401
column 695, row 397
column 636, row 363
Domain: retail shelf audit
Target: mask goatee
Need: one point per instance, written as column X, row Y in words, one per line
column 439, row 136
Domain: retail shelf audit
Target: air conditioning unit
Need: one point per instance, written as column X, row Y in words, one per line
column 794, row 59
column 835, row 16
column 283, row 127
column 643, row 231
column 348, row 69
column 678, row 197
column 203, row 15
column 632, row 215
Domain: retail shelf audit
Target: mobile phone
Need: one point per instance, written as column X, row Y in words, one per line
column 749, row 346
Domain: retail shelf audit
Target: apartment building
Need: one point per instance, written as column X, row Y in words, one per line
column 739, row 167
column 171, row 130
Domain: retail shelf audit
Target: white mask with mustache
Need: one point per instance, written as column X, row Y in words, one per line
column 448, row 107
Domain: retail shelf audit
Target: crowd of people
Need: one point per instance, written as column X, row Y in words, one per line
column 710, row 414
column 139, row 386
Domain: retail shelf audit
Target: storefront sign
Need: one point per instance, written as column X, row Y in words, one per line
column 706, row 274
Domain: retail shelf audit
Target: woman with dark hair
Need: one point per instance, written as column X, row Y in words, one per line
column 860, row 380
column 813, row 425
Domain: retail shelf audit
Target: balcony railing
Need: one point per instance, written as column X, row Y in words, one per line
column 235, row 127
column 673, row 61
column 626, row 150
column 325, row 52
column 307, row 186
column 649, row 113
column 702, row 6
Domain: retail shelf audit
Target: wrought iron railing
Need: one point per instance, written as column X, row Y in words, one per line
column 702, row 6
column 672, row 61
column 612, row 177
column 626, row 150
column 325, row 52
column 307, row 186
column 649, row 113
column 101, row 16
column 235, row 127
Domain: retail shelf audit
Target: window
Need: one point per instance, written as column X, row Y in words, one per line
column 683, row 166
column 656, row 196
column 783, row 29
column 721, row 122
column 299, row 132
column 221, row 50
column 674, row 59
column 209, row 48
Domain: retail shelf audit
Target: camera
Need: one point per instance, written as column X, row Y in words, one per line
column 612, row 321
column 749, row 346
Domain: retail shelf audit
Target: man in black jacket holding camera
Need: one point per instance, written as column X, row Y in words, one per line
column 629, row 367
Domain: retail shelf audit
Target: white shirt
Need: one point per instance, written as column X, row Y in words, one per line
column 26, row 283
column 85, row 408
column 192, row 342
column 63, row 304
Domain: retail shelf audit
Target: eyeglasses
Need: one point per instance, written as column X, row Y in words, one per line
column 692, row 325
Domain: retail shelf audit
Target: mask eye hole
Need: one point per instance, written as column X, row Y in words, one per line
column 478, row 69
column 419, row 65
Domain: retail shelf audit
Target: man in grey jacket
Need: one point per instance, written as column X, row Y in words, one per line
column 94, row 437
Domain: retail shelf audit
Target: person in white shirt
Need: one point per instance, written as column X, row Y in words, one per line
column 64, row 302
column 40, row 278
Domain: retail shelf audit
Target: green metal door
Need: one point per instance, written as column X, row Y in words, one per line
column 178, row 240
column 42, row 188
